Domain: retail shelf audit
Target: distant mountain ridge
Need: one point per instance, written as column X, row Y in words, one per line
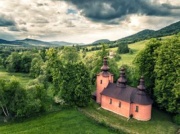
column 33, row 42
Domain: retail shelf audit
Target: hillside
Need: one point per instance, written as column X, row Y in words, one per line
column 147, row 34
column 33, row 42
column 142, row 35
column 101, row 41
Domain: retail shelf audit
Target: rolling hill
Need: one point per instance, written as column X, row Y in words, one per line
column 147, row 34
column 33, row 42
column 101, row 41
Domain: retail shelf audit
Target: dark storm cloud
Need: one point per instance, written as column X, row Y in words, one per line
column 6, row 21
column 17, row 29
column 13, row 28
column 170, row 6
column 103, row 10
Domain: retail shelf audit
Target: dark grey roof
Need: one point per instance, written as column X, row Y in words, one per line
column 141, row 97
column 127, row 94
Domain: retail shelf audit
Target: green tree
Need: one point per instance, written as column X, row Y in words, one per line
column 145, row 62
column 167, row 81
column 132, row 75
column 3, row 100
column 122, row 48
column 95, row 62
column 70, row 54
column 13, row 62
column 36, row 67
column 103, row 53
column 17, row 102
column 37, row 98
column 25, row 62
column 54, row 68
column 159, row 63
column 13, row 98
column 1, row 61
column 19, row 62
column 76, row 87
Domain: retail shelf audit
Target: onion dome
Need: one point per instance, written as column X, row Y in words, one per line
column 141, row 85
column 105, row 67
column 121, row 82
column 140, row 96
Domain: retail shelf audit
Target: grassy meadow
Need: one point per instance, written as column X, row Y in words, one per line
column 126, row 58
column 161, row 122
column 136, row 48
column 90, row 120
column 66, row 121
column 24, row 78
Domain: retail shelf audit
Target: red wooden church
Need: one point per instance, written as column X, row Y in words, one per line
column 121, row 98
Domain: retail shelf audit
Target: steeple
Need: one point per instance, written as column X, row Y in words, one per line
column 141, row 85
column 121, row 82
column 105, row 67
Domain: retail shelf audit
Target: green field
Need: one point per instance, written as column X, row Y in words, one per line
column 161, row 123
column 136, row 48
column 126, row 58
column 23, row 78
column 67, row 121
column 90, row 120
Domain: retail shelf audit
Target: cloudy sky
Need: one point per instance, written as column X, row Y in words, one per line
column 83, row 21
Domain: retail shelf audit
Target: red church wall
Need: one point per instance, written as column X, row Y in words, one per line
column 143, row 112
column 125, row 109
column 121, row 109
column 101, row 83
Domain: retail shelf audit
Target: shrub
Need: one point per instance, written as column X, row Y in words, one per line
column 176, row 119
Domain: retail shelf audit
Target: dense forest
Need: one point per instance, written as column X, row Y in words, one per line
column 66, row 76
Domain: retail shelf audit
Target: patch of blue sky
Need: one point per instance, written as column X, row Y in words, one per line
column 71, row 11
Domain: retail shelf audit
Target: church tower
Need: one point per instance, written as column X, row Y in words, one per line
column 102, row 80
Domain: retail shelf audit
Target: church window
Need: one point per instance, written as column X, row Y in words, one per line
column 119, row 104
column 137, row 108
column 110, row 101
